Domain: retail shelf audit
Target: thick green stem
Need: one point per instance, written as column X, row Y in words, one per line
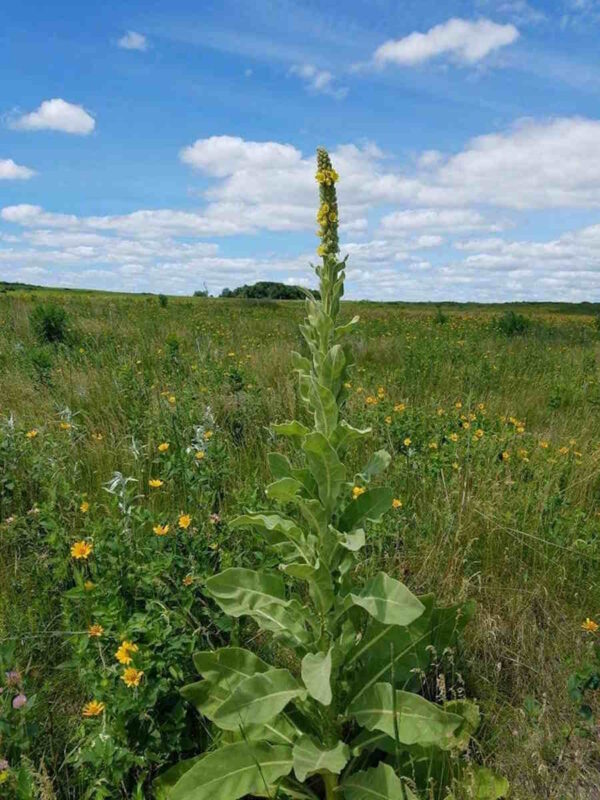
column 330, row 782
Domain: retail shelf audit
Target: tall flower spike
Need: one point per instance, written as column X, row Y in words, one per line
column 327, row 215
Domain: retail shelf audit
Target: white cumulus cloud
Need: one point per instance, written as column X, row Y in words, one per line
column 133, row 41
column 10, row 171
column 320, row 81
column 464, row 40
column 56, row 115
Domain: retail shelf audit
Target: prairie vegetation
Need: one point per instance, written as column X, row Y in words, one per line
column 133, row 432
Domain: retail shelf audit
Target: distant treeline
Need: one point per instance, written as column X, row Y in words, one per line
column 268, row 290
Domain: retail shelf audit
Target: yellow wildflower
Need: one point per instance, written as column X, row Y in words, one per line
column 433, row 446
column 199, row 455
column 544, row 445
column 95, row 630
column 371, row 401
column 163, row 447
column 407, row 442
column 171, row 399
column 184, row 521
column 84, row 507
column 505, row 456
column 93, row 709
column 155, row 483
column 81, row 549
column 399, row 407
column 188, row 580
column 132, row 677
column 357, row 491
column 89, row 585
column 453, row 437
column 479, row 433
column 396, row 503
column 31, row 434
column 388, row 420
column 207, row 435
column 65, row 426
column 161, row 530
column 123, row 654
column 589, row 625
column 97, row 437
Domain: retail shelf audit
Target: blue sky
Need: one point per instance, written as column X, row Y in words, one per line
column 165, row 146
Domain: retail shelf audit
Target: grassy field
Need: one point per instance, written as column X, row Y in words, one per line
column 496, row 461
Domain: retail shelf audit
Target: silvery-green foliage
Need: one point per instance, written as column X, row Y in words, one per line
column 343, row 713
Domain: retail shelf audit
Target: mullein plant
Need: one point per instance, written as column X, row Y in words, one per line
column 346, row 716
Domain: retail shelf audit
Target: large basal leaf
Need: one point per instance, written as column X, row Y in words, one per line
column 378, row 463
column 287, row 622
column 388, row 601
column 414, row 719
column 324, row 406
column 234, row 771
column 164, row 783
column 368, row 506
column 310, row 759
column 378, row 783
column 206, row 696
column 258, row 699
column 241, row 591
column 229, row 665
column 326, row 468
column 316, row 674
column 276, row 530
column 281, row 730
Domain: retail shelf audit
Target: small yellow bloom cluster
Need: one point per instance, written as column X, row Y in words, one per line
column 327, row 177
column 31, row 434
column 123, row 654
column 357, row 491
column 589, row 625
column 396, row 503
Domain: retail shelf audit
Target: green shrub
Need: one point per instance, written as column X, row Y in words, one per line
column 512, row 324
column 339, row 708
column 49, row 323
column 163, row 300
column 41, row 361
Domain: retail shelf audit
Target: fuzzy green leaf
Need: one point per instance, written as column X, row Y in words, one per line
column 378, row 783
column 326, row 468
column 291, row 429
column 241, row 591
column 287, row 622
column 416, row 720
column 345, row 434
column 378, row 463
column 316, row 674
column 276, row 530
column 234, row 771
column 320, row 585
column 165, row 782
column 258, row 699
column 368, row 506
column 228, row 664
column 283, row 490
column 324, row 406
column 388, row 601
column 310, row 759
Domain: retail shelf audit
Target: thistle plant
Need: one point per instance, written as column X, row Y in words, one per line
column 339, row 712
